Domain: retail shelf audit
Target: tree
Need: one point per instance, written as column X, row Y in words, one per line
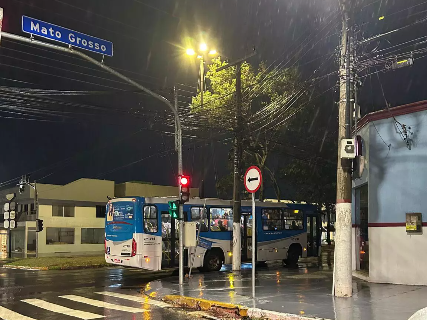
column 267, row 97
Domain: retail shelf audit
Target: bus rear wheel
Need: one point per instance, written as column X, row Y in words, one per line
column 213, row 261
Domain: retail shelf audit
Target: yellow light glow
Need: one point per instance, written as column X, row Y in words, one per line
column 147, row 260
column 305, row 249
column 212, row 52
column 230, row 253
column 203, row 47
column 190, row 52
column 296, row 211
column 381, row 18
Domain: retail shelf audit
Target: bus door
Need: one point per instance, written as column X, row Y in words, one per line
column 246, row 233
column 313, row 235
column 170, row 240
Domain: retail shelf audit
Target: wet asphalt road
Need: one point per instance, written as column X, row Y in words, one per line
column 110, row 293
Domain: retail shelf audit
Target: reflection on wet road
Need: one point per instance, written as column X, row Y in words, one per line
column 82, row 294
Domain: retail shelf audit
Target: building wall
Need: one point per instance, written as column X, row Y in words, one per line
column 85, row 217
column 397, row 184
column 80, row 190
column 356, row 183
column 132, row 189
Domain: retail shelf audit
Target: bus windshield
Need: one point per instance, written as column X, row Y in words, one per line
column 120, row 220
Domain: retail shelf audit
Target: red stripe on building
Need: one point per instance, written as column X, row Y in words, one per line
column 392, row 112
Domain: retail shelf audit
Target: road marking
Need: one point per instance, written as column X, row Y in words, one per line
column 101, row 304
column 135, row 298
column 64, row 310
column 7, row 314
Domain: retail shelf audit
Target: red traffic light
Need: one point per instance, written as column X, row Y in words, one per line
column 184, row 181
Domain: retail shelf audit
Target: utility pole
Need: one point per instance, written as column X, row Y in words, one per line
column 202, row 88
column 237, row 240
column 342, row 261
column 237, row 252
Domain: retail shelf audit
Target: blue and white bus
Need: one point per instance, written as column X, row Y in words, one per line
column 139, row 232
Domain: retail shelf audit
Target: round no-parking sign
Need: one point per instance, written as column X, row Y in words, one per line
column 253, row 179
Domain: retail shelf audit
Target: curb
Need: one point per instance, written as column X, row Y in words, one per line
column 25, row 268
column 209, row 305
column 360, row 276
column 274, row 315
column 206, row 305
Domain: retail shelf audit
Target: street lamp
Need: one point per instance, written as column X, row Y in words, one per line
column 203, row 52
column 201, row 55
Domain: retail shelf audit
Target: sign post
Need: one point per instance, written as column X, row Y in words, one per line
column 253, row 179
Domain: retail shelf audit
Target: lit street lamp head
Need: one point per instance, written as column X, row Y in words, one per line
column 190, row 52
column 203, row 47
column 213, row 52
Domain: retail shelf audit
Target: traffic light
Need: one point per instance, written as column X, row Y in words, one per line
column 184, row 188
column 39, row 225
column 174, row 209
column 21, row 185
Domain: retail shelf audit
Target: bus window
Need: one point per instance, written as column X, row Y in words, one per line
column 221, row 219
column 150, row 219
column 198, row 214
column 272, row 219
column 293, row 219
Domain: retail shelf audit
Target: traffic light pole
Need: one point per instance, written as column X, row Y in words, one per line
column 138, row 86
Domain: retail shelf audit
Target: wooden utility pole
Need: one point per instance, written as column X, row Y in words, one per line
column 342, row 261
column 237, row 241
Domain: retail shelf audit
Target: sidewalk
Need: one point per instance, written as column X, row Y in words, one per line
column 305, row 291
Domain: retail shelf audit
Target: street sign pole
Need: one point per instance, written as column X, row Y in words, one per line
column 253, row 244
column 253, row 180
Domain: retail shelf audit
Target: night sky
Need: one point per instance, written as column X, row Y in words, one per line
column 103, row 129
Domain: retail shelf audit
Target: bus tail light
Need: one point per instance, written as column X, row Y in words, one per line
column 105, row 245
column 133, row 248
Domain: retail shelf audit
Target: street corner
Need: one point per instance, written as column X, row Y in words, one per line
column 207, row 305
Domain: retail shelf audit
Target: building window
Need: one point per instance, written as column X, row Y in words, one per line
column 221, row 219
column 150, row 219
column 272, row 219
column 25, row 210
column 93, row 235
column 59, row 235
column 33, row 208
column 62, row 211
column 293, row 219
column 198, row 215
column 100, row 211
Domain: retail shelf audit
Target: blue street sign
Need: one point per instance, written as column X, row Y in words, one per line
column 64, row 35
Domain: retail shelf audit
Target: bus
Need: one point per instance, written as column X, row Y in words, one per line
column 140, row 232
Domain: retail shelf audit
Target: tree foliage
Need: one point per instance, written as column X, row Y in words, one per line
column 266, row 98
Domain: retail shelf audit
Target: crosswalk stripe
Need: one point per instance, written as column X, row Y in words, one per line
column 101, row 304
column 135, row 298
column 7, row 314
column 64, row 310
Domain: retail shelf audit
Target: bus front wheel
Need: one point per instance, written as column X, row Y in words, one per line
column 213, row 261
